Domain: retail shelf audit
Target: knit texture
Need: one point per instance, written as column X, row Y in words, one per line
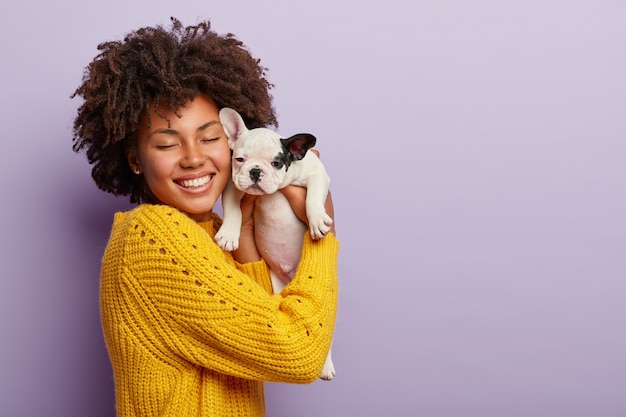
column 190, row 332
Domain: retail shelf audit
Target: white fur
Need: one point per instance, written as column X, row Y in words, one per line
column 278, row 231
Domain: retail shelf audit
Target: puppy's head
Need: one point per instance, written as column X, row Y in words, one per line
column 261, row 157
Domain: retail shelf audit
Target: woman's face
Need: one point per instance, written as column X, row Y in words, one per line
column 186, row 162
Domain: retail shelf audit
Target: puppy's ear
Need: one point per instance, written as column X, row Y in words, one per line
column 233, row 125
column 297, row 145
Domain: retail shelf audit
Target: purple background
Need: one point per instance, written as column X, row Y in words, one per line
column 477, row 150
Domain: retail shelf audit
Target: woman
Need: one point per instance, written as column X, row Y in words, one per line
column 192, row 330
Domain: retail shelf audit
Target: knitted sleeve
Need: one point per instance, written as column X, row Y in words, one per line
column 215, row 316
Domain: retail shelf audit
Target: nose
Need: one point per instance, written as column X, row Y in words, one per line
column 193, row 156
column 255, row 174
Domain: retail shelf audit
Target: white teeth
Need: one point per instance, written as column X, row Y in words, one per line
column 198, row 182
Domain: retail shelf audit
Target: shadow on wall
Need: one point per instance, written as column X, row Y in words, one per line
column 89, row 218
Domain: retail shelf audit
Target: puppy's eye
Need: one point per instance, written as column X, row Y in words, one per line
column 239, row 159
column 277, row 164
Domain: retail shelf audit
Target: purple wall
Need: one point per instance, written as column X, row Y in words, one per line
column 477, row 151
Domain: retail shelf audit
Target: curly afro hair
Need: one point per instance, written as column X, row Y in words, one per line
column 154, row 66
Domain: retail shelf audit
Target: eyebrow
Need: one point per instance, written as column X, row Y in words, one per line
column 170, row 131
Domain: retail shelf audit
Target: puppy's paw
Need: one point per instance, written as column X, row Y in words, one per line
column 328, row 370
column 320, row 225
column 227, row 239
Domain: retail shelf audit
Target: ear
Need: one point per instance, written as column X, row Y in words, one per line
column 133, row 160
column 297, row 145
column 233, row 125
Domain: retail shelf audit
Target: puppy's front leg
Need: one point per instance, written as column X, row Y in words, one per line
column 316, row 192
column 228, row 235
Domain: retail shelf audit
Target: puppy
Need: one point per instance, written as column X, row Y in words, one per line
column 262, row 163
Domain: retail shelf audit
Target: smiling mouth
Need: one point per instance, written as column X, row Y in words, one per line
column 196, row 182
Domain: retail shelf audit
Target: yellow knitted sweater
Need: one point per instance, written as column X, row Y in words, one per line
column 190, row 332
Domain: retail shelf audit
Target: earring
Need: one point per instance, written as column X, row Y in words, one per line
column 137, row 171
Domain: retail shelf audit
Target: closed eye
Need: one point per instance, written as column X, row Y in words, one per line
column 209, row 140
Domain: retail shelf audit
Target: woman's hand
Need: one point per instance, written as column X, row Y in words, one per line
column 297, row 196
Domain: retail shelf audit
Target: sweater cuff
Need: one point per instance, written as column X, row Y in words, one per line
column 320, row 254
column 328, row 245
column 258, row 271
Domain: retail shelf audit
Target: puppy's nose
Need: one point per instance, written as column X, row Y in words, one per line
column 255, row 174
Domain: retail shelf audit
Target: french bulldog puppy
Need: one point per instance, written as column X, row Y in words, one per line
column 262, row 163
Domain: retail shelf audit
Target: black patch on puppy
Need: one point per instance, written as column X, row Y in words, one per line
column 296, row 146
column 281, row 160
